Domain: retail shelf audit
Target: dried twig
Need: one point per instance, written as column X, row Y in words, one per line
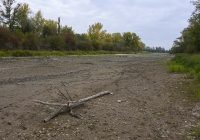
column 67, row 91
column 62, row 94
column 70, row 105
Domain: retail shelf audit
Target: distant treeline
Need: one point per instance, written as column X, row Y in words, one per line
column 156, row 50
column 22, row 29
column 189, row 42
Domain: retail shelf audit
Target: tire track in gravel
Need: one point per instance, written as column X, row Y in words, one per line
column 41, row 77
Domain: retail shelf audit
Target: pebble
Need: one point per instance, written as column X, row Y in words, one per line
column 119, row 101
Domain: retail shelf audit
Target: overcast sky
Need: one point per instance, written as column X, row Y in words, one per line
column 157, row 22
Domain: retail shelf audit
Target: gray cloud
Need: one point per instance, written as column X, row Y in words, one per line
column 158, row 22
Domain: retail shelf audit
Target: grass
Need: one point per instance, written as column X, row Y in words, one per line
column 189, row 64
column 28, row 53
column 185, row 63
column 177, row 68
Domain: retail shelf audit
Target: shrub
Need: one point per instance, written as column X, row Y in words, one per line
column 84, row 45
column 10, row 40
column 108, row 46
column 69, row 39
column 4, row 36
column 57, row 43
column 31, row 42
column 96, row 45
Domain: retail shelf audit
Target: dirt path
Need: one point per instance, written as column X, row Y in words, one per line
column 147, row 102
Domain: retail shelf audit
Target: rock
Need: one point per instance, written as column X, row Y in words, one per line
column 119, row 101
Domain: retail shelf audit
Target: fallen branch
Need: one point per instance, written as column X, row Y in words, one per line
column 70, row 104
column 50, row 104
column 54, row 114
column 95, row 96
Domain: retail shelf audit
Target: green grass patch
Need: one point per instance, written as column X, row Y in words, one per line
column 189, row 64
column 186, row 63
column 28, row 53
column 177, row 68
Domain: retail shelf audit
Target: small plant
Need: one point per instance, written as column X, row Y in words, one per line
column 177, row 68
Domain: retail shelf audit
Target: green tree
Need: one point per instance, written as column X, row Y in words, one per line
column 108, row 38
column 38, row 23
column 69, row 37
column 190, row 37
column 50, row 28
column 136, row 43
column 96, row 32
column 132, row 41
column 82, row 37
column 195, row 18
column 127, row 37
column 8, row 12
column 117, row 37
column 23, row 20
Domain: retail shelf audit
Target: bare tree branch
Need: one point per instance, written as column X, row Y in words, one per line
column 66, row 91
column 60, row 92
column 70, row 105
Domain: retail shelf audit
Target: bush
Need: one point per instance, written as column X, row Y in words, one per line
column 96, row 45
column 69, row 39
column 84, row 45
column 31, row 42
column 10, row 40
column 4, row 37
column 108, row 46
column 57, row 43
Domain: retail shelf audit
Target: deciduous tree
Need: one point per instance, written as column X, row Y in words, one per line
column 8, row 12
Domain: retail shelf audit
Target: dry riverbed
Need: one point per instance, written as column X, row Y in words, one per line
column 148, row 102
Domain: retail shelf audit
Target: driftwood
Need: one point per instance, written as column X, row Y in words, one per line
column 70, row 104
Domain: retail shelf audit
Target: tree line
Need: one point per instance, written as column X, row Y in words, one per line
column 22, row 29
column 156, row 49
column 189, row 41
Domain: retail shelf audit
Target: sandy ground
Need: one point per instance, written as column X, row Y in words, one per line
column 147, row 103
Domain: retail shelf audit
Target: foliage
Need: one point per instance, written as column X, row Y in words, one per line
column 84, row 45
column 96, row 32
column 189, row 42
column 56, row 43
column 38, row 23
column 31, row 42
column 69, row 37
column 156, row 50
column 21, row 29
column 23, row 22
column 8, row 13
column 49, row 28
column 4, row 37
column 8, row 40
column 190, row 64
